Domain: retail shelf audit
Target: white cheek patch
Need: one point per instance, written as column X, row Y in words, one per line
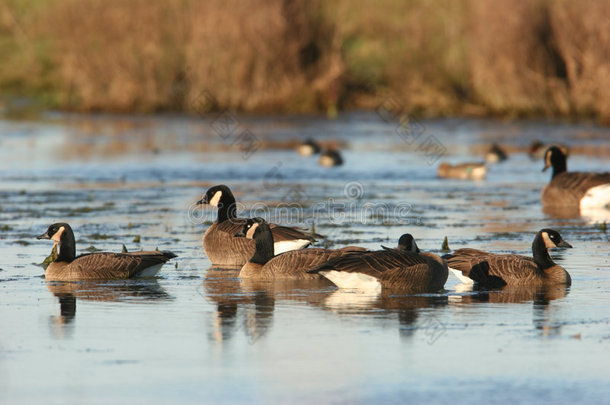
column 216, row 199
column 547, row 159
column 547, row 241
column 250, row 233
column 57, row 235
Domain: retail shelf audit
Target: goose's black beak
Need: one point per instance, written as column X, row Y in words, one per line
column 564, row 244
column 44, row 236
column 203, row 201
column 241, row 233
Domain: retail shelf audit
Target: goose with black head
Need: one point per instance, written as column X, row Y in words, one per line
column 224, row 249
column 403, row 268
column 497, row 270
column 265, row 265
column 583, row 190
column 97, row 266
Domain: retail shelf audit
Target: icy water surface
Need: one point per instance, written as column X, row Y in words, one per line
column 200, row 335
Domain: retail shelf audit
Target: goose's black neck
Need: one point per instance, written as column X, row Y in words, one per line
column 541, row 253
column 560, row 165
column 227, row 208
column 67, row 246
column 263, row 239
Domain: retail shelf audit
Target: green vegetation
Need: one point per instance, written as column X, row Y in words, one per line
column 429, row 57
column 445, row 245
column 50, row 258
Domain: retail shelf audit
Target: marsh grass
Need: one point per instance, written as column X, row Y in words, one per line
column 515, row 58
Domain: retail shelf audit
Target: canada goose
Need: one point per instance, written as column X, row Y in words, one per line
column 536, row 150
column 330, row 158
column 493, row 270
column 102, row 265
column 219, row 241
column 308, row 148
column 495, row 154
column 403, row 268
column 289, row 265
column 576, row 189
column 464, row 171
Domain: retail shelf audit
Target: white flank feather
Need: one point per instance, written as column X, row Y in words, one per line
column 288, row 245
column 150, row 271
column 344, row 279
column 596, row 197
column 461, row 277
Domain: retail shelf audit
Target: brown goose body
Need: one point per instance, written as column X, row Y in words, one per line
column 98, row 266
column 224, row 249
column 573, row 189
column 497, row 270
column 264, row 265
column 568, row 189
column 404, row 268
column 294, row 264
column 104, row 265
column 463, row 171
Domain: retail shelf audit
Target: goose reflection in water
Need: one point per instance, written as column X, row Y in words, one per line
column 68, row 292
column 541, row 297
column 414, row 312
column 248, row 305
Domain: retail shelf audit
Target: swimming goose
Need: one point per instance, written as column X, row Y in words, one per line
column 219, row 241
column 495, row 154
column 330, row 158
column 463, row 171
column 403, row 268
column 576, row 189
column 102, row 265
column 265, row 265
column 308, row 148
column 493, row 270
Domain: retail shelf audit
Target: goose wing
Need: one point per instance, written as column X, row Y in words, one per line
column 299, row 262
column 374, row 263
column 580, row 182
column 491, row 269
column 117, row 265
column 282, row 233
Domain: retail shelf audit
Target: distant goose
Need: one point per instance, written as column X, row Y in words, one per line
column 536, row 150
column 308, row 148
column 463, row 171
column 219, row 241
column 102, row 265
column 493, row 270
column 403, row 268
column 495, row 154
column 576, row 189
column 289, row 265
column 330, row 158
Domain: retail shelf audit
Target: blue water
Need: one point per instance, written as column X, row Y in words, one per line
column 201, row 335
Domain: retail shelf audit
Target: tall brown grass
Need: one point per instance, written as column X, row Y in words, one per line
column 520, row 57
column 142, row 55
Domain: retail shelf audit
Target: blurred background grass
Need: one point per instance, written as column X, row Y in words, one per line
column 465, row 57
